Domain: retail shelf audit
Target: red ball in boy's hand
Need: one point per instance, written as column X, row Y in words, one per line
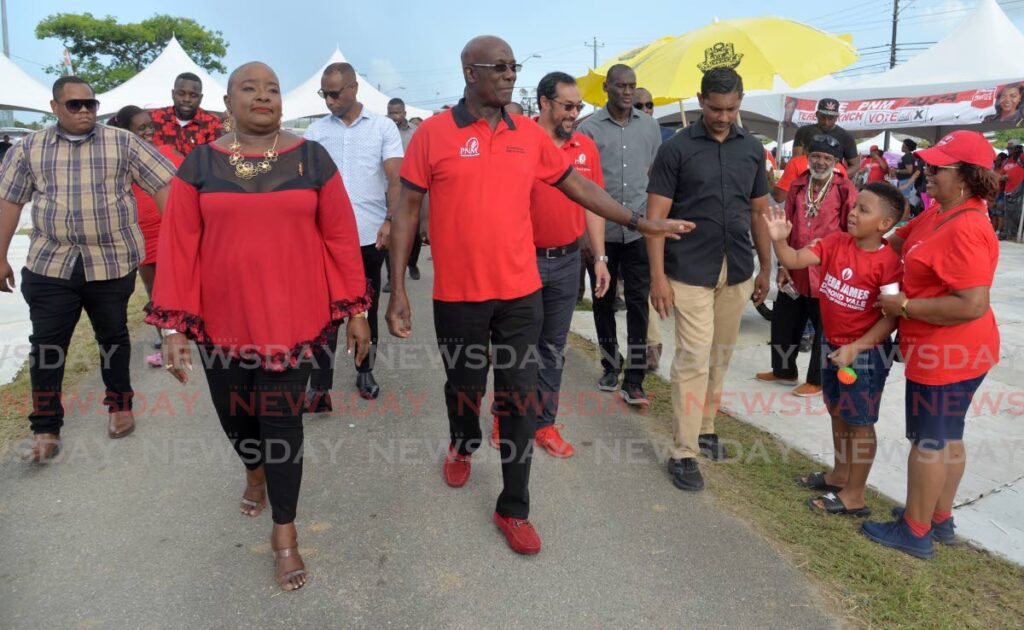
column 847, row 376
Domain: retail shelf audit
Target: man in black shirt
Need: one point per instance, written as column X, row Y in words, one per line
column 828, row 115
column 713, row 174
column 4, row 146
column 905, row 179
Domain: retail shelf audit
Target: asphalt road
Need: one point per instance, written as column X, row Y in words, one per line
column 145, row 532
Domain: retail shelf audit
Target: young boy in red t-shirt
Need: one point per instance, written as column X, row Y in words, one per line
column 856, row 265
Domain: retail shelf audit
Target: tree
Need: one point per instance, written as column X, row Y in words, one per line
column 106, row 53
column 1004, row 135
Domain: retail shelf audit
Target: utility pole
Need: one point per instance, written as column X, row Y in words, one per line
column 892, row 59
column 595, row 46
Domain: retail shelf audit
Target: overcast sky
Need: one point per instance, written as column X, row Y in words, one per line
column 413, row 52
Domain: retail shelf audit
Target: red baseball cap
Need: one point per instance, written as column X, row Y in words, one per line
column 874, row 147
column 965, row 146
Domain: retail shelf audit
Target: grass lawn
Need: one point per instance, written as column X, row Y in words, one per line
column 83, row 357
column 869, row 585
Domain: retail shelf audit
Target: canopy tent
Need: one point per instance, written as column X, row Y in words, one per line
column 20, row 90
column 151, row 88
column 974, row 55
column 304, row 101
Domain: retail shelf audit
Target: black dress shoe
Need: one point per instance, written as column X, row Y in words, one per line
column 368, row 387
column 710, row 447
column 414, row 273
column 686, row 474
column 318, row 401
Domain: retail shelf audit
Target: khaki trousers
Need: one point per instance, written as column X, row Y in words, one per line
column 707, row 325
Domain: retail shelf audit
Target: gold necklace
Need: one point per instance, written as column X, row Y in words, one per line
column 244, row 169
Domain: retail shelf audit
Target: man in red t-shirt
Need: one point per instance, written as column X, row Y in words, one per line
column 479, row 165
column 558, row 224
column 184, row 125
column 876, row 166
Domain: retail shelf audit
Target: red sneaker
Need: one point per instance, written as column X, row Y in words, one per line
column 456, row 468
column 495, row 438
column 551, row 441
column 521, row 535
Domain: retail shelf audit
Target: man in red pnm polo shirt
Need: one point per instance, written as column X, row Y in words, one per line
column 558, row 224
column 479, row 164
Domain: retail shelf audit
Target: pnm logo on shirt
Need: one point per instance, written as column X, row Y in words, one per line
column 847, row 274
column 472, row 148
column 581, row 159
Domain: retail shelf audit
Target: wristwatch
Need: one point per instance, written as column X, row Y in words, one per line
column 167, row 332
column 903, row 309
column 634, row 220
column 603, row 259
column 363, row 315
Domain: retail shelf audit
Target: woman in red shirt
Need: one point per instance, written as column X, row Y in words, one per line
column 138, row 121
column 259, row 261
column 948, row 333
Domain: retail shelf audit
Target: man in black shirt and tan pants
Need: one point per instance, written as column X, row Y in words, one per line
column 713, row 174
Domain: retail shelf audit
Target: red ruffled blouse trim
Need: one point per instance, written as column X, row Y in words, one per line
column 193, row 327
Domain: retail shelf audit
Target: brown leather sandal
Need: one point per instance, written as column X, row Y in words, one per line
column 286, row 579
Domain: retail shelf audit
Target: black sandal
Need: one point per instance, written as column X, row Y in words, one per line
column 834, row 505
column 815, row 481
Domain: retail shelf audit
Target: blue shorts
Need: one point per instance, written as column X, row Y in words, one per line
column 859, row 402
column 935, row 413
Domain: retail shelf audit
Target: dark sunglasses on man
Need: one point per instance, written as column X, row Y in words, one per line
column 829, row 140
column 75, row 105
column 334, row 94
column 643, row 106
column 500, row 68
column 569, row 107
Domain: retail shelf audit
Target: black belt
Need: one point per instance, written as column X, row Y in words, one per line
column 558, row 252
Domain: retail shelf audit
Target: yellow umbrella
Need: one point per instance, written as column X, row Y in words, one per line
column 758, row 48
column 591, row 85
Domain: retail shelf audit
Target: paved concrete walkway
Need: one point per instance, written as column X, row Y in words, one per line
column 990, row 504
column 145, row 531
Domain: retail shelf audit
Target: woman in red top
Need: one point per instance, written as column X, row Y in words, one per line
column 137, row 120
column 948, row 333
column 259, row 261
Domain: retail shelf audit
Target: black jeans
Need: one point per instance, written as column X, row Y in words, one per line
column 55, row 306
column 261, row 413
column 628, row 261
column 322, row 375
column 789, row 317
column 465, row 334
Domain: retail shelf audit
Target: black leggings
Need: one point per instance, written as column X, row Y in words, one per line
column 261, row 413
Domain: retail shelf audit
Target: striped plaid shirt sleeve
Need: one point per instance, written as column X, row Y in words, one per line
column 16, row 183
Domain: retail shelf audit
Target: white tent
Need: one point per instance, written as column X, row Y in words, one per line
column 304, row 101
column 20, row 90
column 151, row 88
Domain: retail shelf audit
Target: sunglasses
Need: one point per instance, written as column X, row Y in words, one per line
column 932, row 169
column 829, row 140
column 75, row 105
column 643, row 105
column 500, row 68
column 569, row 107
column 334, row 94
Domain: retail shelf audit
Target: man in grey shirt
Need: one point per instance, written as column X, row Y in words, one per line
column 627, row 140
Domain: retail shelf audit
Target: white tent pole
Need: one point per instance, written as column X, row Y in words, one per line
column 682, row 115
column 782, row 133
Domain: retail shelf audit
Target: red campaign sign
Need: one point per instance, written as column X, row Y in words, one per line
column 1001, row 104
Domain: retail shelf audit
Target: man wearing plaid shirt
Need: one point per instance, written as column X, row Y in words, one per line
column 184, row 125
column 84, row 249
